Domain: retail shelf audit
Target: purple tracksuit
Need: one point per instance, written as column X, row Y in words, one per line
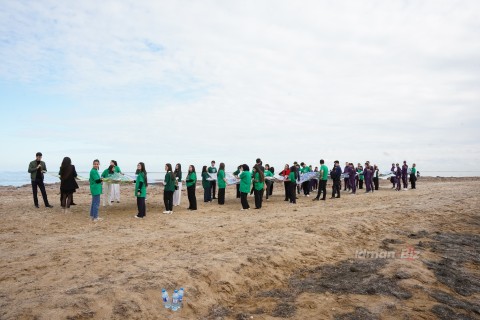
column 346, row 180
column 405, row 176
column 352, row 173
column 367, row 174
column 398, row 176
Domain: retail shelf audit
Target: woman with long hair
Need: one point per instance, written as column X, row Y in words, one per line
column 286, row 182
column 222, row 183
column 141, row 184
column 191, row 182
column 115, row 187
column 259, row 185
column 68, row 185
column 178, row 187
column 107, row 186
column 292, row 177
column 169, row 188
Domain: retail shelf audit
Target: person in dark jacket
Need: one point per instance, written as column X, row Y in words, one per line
column 68, row 184
column 36, row 168
column 336, row 175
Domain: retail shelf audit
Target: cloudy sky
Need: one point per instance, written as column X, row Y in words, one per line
column 191, row 81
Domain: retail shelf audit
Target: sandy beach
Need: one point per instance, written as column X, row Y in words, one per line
column 303, row 261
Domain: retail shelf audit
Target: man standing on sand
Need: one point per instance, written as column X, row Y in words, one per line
column 213, row 183
column 323, row 181
column 398, row 177
column 336, row 175
column 36, row 168
column 405, row 175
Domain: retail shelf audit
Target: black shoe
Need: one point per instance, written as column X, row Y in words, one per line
column 37, row 206
column 315, row 199
column 323, row 199
column 49, row 206
column 73, row 204
column 337, row 197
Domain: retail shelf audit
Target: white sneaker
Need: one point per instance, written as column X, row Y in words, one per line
column 170, row 212
column 308, row 195
column 166, row 212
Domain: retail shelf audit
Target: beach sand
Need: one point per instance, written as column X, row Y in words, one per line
column 283, row 261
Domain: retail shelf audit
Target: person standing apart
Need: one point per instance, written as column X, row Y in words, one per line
column 375, row 176
column 405, row 175
column 178, row 188
column 141, row 184
column 191, row 182
column 68, row 185
column 96, row 190
column 36, row 168
column 213, row 183
column 336, row 175
column 245, row 181
column 169, row 188
column 115, row 188
column 323, row 181
column 413, row 176
column 107, row 186
column 259, row 185
column 222, row 183
column 286, row 182
column 207, row 186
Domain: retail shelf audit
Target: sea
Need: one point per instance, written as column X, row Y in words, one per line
column 21, row 178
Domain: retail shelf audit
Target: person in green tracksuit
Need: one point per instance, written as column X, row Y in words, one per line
column 413, row 176
column 141, row 184
column 323, row 181
column 115, row 187
column 207, row 187
column 169, row 189
column 306, row 184
column 96, row 190
column 258, row 185
column 191, row 186
column 222, row 184
column 245, row 182
column 268, row 182
column 360, row 176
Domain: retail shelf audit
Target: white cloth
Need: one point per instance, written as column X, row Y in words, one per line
column 115, row 192
column 107, row 190
column 177, row 195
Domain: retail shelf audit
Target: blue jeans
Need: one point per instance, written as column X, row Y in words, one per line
column 207, row 195
column 95, row 206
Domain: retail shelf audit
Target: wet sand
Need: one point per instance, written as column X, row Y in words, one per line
column 299, row 261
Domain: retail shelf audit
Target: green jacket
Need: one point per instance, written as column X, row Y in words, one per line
column 95, row 182
column 257, row 183
column 245, row 180
column 32, row 169
column 143, row 188
column 191, row 179
column 169, row 182
column 205, row 182
column 221, row 183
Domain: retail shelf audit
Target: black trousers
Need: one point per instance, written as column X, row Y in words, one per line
column 192, row 199
column 306, row 187
column 67, row 199
column 392, row 180
column 375, row 183
column 322, row 188
column 244, row 201
column 258, row 198
column 413, row 181
column 142, row 210
column 221, row 195
column 238, row 190
column 270, row 190
column 287, row 190
column 41, row 185
column 337, row 186
column 168, row 200
column 213, row 187
column 267, row 188
column 360, row 184
column 293, row 196
column 346, row 183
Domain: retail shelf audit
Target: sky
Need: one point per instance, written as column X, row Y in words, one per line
column 191, row 81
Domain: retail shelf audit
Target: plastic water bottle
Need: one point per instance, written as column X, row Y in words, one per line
column 165, row 299
column 175, row 302
column 181, row 292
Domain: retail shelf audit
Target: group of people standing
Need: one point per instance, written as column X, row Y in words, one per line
column 258, row 181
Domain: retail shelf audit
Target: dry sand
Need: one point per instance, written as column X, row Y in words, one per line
column 295, row 261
